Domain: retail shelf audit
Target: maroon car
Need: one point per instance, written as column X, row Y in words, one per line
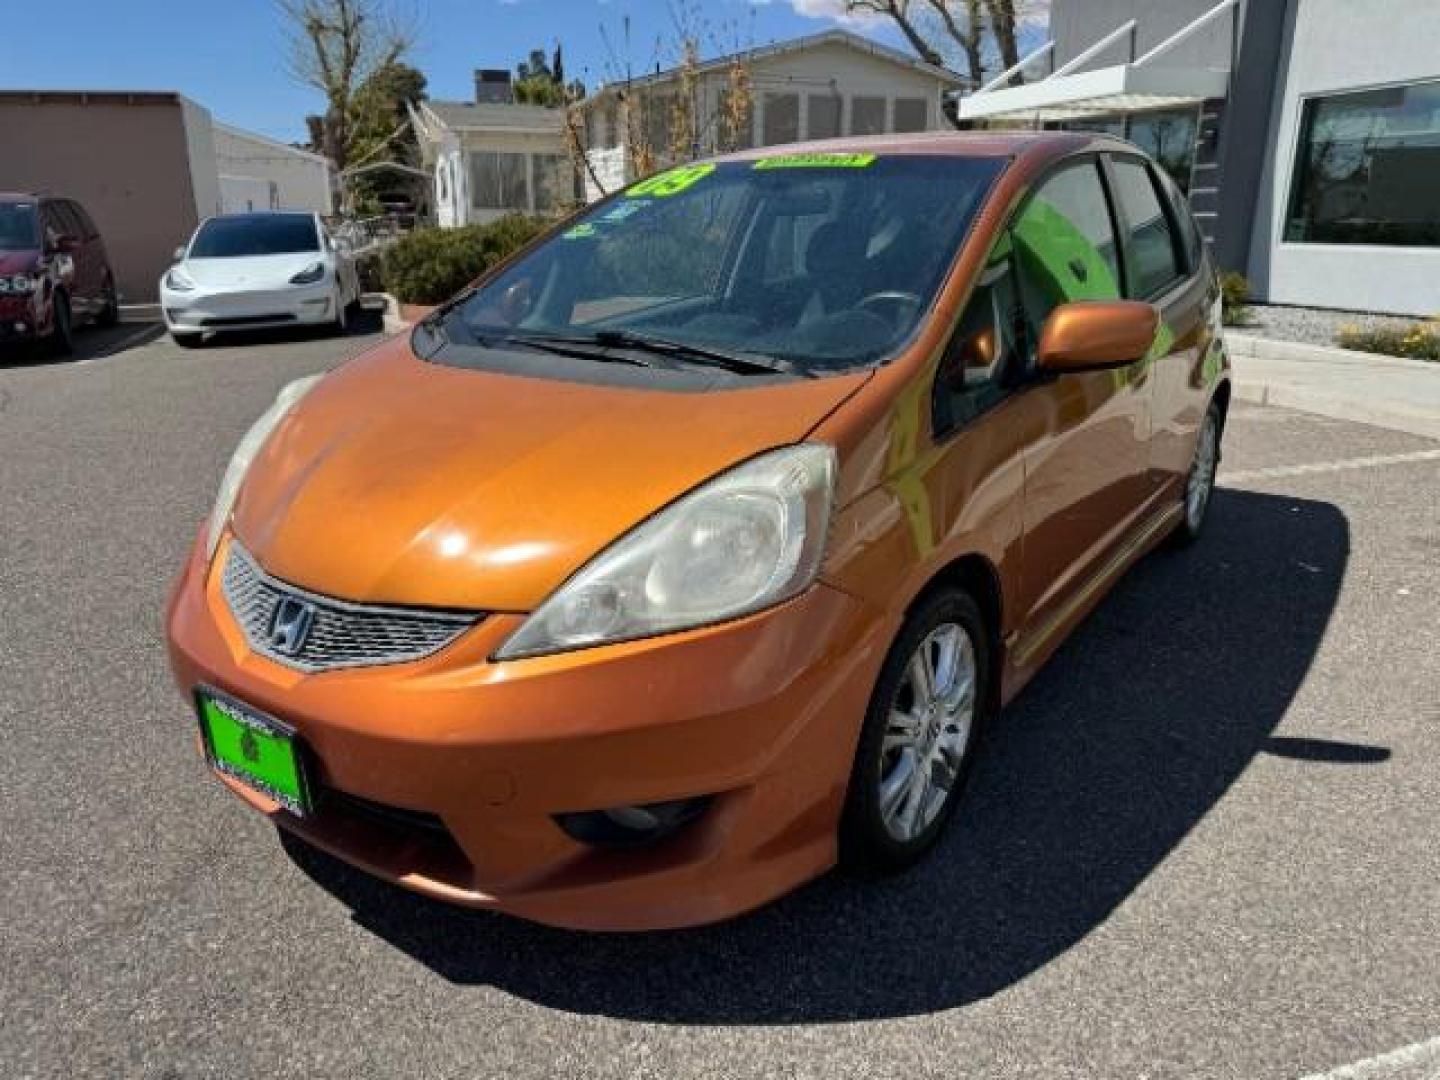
column 53, row 271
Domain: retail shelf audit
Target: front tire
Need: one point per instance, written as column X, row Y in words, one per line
column 918, row 740
column 62, row 331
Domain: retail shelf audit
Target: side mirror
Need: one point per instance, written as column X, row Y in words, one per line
column 179, row 255
column 66, row 244
column 1092, row 335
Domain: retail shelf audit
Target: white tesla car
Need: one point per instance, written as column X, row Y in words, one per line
column 248, row 271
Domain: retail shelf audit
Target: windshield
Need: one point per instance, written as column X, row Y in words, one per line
column 824, row 261
column 255, row 234
column 17, row 227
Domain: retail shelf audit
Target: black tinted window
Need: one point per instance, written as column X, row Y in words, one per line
column 1366, row 166
column 17, row 227
column 1153, row 261
column 255, row 234
column 87, row 227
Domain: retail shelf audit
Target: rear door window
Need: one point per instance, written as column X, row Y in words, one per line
column 1155, row 262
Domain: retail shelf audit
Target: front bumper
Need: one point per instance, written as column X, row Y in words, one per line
column 202, row 310
column 20, row 318
column 449, row 770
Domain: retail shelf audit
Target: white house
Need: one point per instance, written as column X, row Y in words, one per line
column 491, row 158
column 257, row 173
column 822, row 86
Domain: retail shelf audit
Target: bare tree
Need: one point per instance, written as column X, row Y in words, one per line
column 337, row 46
column 936, row 29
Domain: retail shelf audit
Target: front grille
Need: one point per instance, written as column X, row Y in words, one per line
column 340, row 634
column 220, row 322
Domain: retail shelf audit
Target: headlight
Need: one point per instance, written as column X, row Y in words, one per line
column 246, row 453
column 311, row 274
column 746, row 540
column 178, row 280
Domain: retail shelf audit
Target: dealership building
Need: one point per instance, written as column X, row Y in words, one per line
column 1306, row 132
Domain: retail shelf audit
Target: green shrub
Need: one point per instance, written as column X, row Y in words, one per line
column 1234, row 298
column 429, row 266
column 1418, row 341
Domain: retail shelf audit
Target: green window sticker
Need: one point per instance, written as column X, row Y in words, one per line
column 817, row 161
column 583, row 231
column 672, row 182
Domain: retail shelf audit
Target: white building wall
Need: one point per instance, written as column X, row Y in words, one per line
column 200, row 147
column 1338, row 45
column 302, row 180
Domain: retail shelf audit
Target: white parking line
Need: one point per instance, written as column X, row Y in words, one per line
column 1419, row 1061
column 1343, row 465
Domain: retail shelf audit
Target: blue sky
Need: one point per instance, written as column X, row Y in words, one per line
column 228, row 56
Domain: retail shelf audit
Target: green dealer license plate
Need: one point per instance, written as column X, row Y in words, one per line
column 254, row 749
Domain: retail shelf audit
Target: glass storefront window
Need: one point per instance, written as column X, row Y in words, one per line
column 1168, row 136
column 1365, row 168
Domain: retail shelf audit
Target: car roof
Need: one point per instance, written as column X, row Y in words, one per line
column 20, row 196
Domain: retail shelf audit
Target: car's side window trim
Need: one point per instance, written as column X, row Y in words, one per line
column 1124, row 236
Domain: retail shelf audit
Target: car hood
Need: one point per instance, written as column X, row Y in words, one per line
column 255, row 271
column 22, row 261
column 403, row 482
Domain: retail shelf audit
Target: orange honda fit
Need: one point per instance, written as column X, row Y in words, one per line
column 688, row 552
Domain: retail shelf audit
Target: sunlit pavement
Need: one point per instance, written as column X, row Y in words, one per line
column 1203, row 843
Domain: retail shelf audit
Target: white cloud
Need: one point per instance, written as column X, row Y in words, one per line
column 834, row 10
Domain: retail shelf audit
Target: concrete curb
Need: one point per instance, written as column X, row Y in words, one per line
column 389, row 309
column 1383, row 391
column 1274, row 349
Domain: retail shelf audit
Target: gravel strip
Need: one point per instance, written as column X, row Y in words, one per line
column 1312, row 326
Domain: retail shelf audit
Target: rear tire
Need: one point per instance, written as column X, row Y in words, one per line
column 1200, row 481
column 62, row 332
column 916, row 748
column 341, row 326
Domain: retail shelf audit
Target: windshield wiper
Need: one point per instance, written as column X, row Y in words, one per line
column 743, row 362
column 580, row 348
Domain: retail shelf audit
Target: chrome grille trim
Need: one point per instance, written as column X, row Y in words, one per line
column 343, row 634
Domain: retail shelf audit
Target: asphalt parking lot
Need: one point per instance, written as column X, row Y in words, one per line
column 1203, row 843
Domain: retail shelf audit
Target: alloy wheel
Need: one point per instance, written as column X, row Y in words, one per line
column 1201, row 481
column 928, row 731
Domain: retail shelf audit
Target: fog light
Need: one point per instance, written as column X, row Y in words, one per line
column 632, row 826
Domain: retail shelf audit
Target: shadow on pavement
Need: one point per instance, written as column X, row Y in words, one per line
column 1126, row 740
column 91, row 343
column 363, row 322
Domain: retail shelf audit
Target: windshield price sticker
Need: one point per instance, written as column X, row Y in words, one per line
column 662, row 185
column 817, row 161
column 582, row 231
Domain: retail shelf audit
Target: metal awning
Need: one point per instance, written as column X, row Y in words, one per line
column 1121, row 89
column 1068, row 93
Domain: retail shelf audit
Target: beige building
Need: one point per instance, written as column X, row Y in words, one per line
column 148, row 167
column 490, row 157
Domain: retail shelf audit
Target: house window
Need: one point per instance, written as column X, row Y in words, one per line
column 867, row 116
column 780, row 122
column 1365, row 168
column 554, row 182
column 911, row 114
column 497, row 181
column 824, row 116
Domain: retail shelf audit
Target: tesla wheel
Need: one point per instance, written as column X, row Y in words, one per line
column 186, row 340
column 919, row 735
column 1200, row 483
column 62, row 333
column 110, row 313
